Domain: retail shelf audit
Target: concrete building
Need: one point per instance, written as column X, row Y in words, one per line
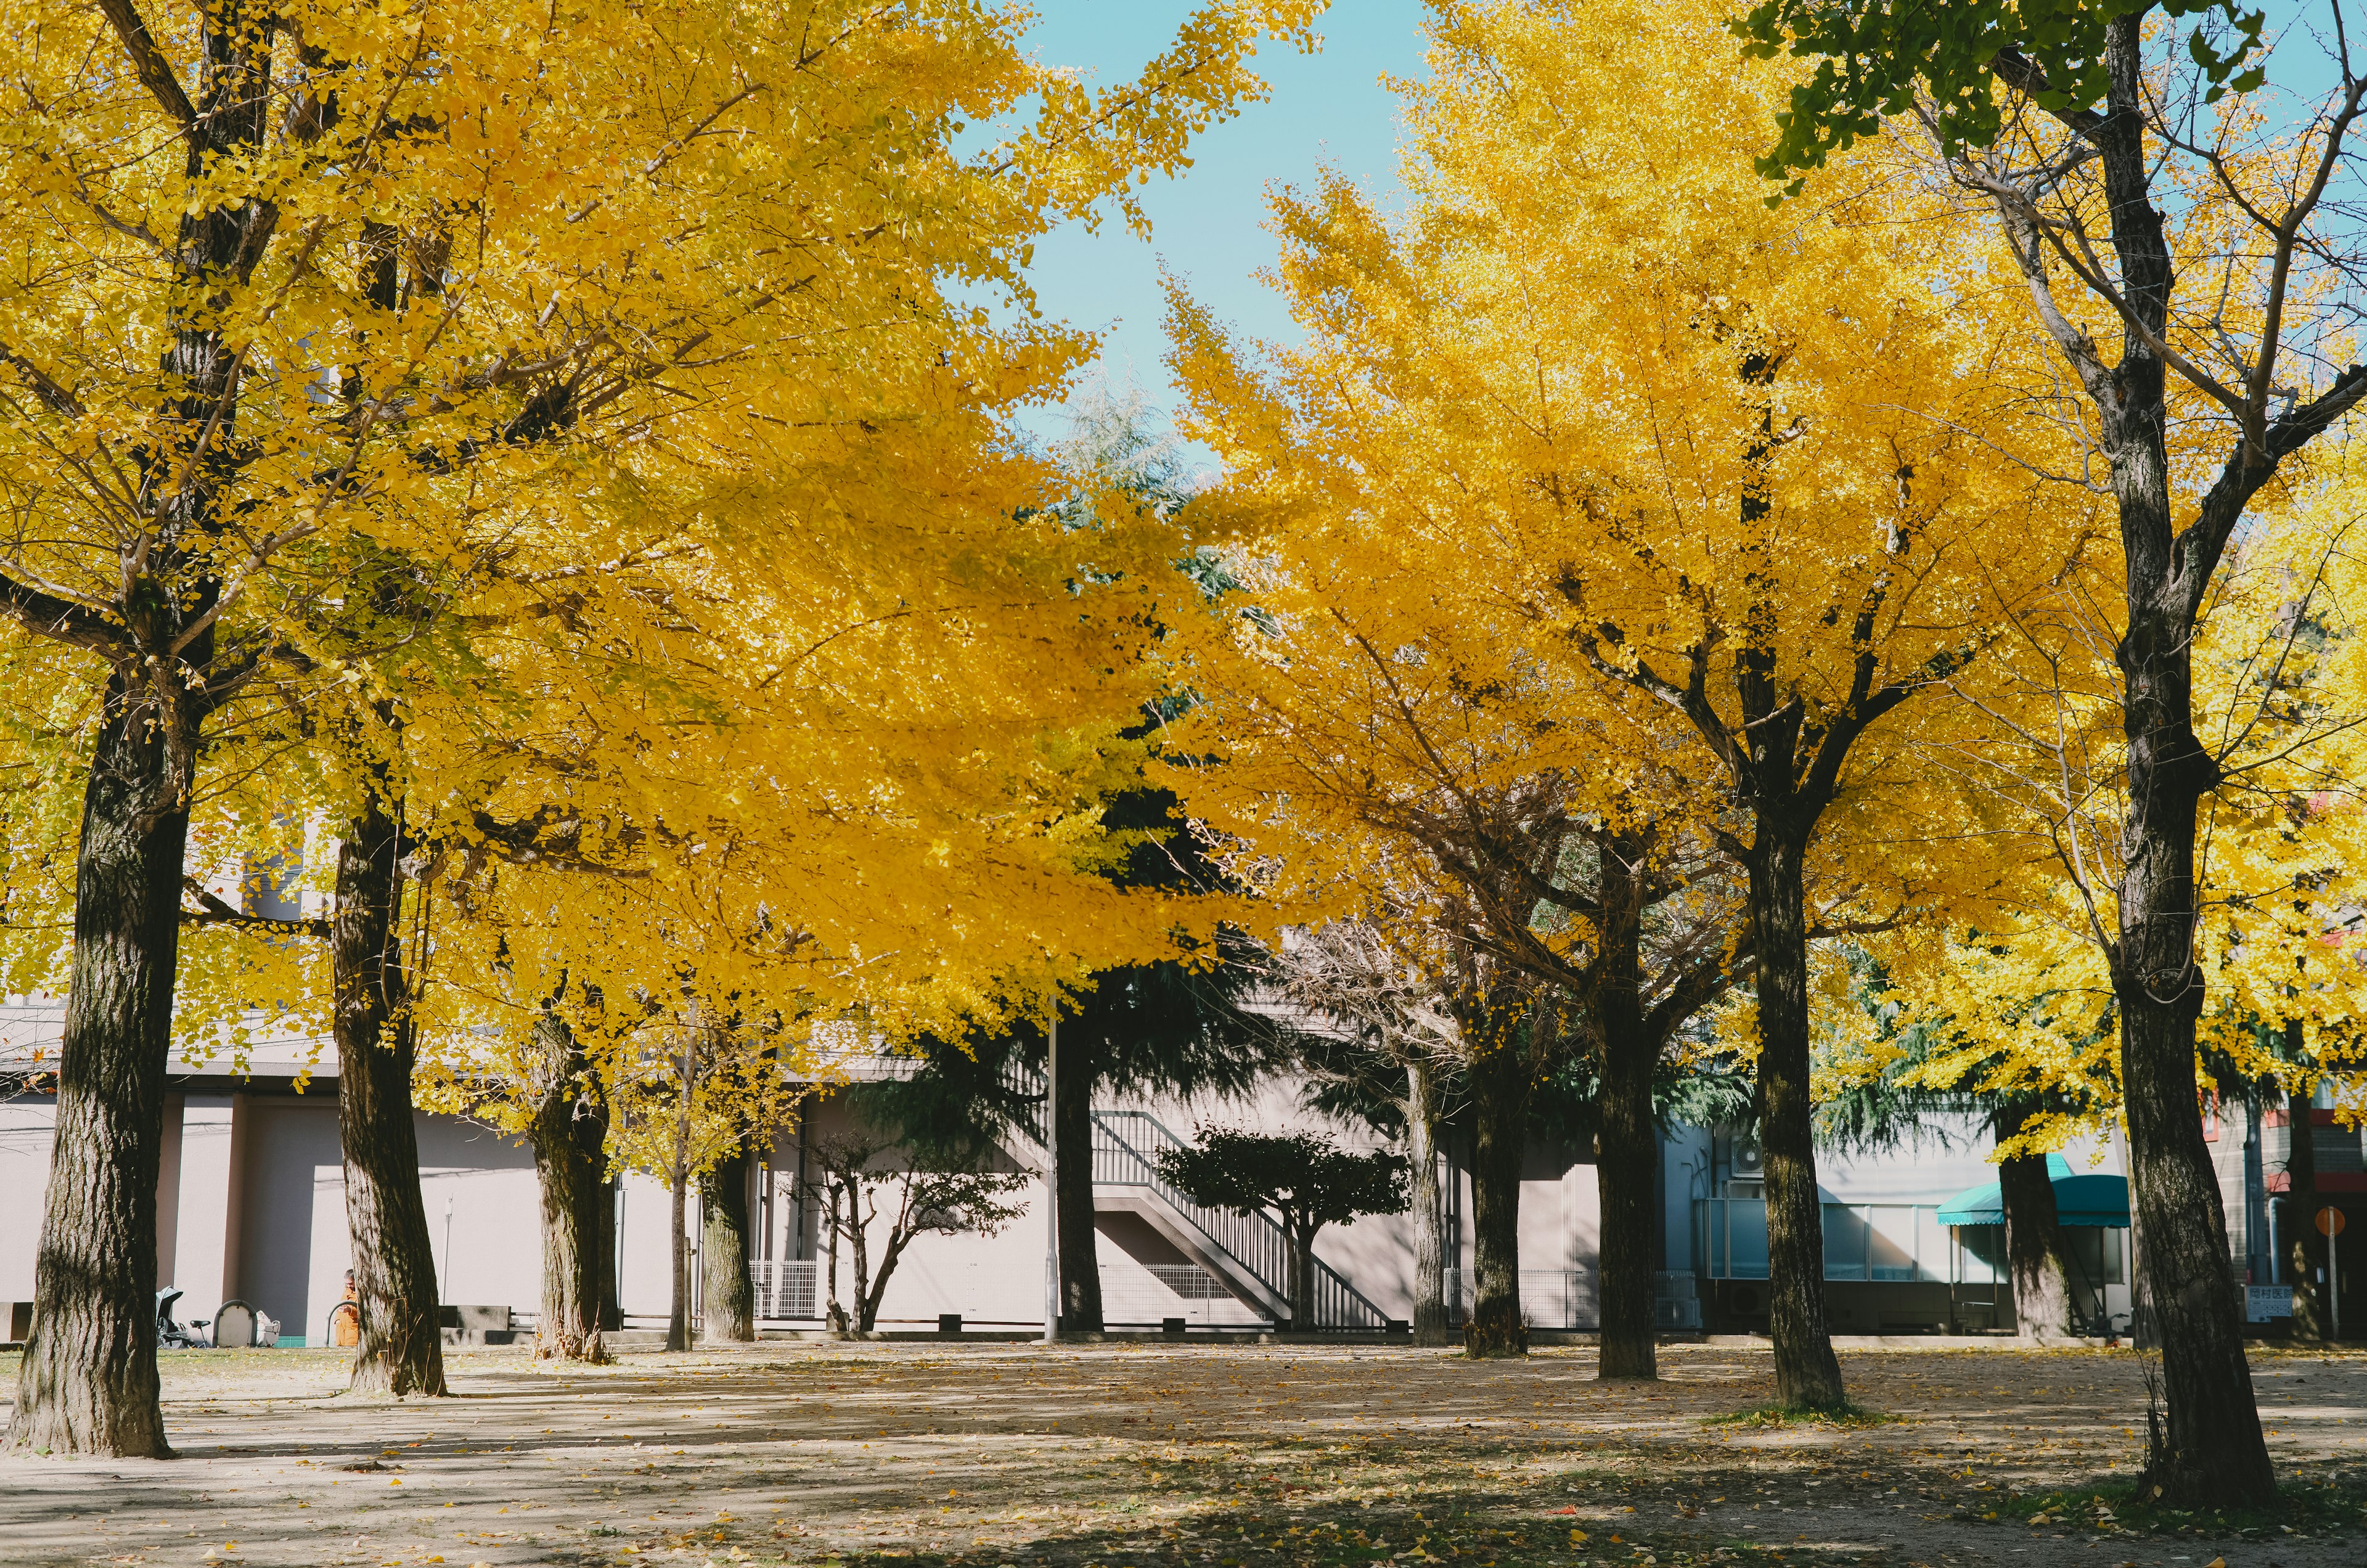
column 251, row 1207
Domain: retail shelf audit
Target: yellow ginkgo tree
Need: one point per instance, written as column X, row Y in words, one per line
column 311, row 302
column 1717, row 496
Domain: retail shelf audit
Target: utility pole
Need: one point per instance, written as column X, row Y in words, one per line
column 1052, row 1180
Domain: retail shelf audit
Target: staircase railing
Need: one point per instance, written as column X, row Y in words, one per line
column 1261, row 1245
column 1254, row 1241
column 1025, row 1086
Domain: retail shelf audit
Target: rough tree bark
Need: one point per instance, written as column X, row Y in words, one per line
column 1807, row 1374
column 1429, row 1218
column 401, row 1349
column 87, row 1382
column 1072, row 1113
column 2144, row 1336
column 2037, row 1259
column 1500, row 1087
column 2215, row 1451
column 569, row 1134
column 1629, row 1150
column 729, row 1295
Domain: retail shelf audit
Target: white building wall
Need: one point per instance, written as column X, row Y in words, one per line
column 251, row 1203
column 484, row 1213
column 24, row 1178
column 206, row 1201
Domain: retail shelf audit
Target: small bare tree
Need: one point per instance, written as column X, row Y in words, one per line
column 1395, row 1024
column 947, row 1200
column 686, row 1105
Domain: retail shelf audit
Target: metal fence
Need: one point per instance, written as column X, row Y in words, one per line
column 787, row 1288
column 1189, row 1281
column 1550, row 1298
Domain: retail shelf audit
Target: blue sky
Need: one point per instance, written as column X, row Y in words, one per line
column 1208, row 224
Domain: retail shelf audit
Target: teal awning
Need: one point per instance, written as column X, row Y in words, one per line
column 2078, row 1201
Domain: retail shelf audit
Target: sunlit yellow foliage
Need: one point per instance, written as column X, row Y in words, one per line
column 594, row 430
column 2026, row 1002
column 1590, row 405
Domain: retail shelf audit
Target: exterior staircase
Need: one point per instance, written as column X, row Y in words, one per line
column 1248, row 1253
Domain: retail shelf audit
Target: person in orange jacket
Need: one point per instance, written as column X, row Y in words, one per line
column 346, row 1318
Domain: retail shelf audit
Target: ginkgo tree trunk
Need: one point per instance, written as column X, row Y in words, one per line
column 2141, row 187
column 569, row 1131
column 2037, row 1259
column 400, row 1349
column 1786, row 761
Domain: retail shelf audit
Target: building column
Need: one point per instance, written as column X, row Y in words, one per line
column 168, row 1192
column 206, row 1210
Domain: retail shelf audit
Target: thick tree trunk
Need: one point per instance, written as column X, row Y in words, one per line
column 1500, row 1103
column 1428, row 1216
column 1628, row 1154
column 2037, row 1259
column 1072, row 1111
column 2304, row 1249
column 2215, row 1453
column 569, row 1134
column 87, row 1382
column 401, row 1349
column 730, row 1295
column 2144, row 1335
column 1807, row 1375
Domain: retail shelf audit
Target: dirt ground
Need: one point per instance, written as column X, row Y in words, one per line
column 1017, row 1456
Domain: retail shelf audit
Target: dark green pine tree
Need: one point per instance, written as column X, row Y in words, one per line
column 1154, row 1028
column 1168, row 1028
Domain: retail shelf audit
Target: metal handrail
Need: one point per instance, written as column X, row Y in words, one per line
column 1261, row 1245
column 1026, row 1084
column 1254, row 1241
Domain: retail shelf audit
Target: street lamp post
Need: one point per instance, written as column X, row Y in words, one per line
column 1052, row 1181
